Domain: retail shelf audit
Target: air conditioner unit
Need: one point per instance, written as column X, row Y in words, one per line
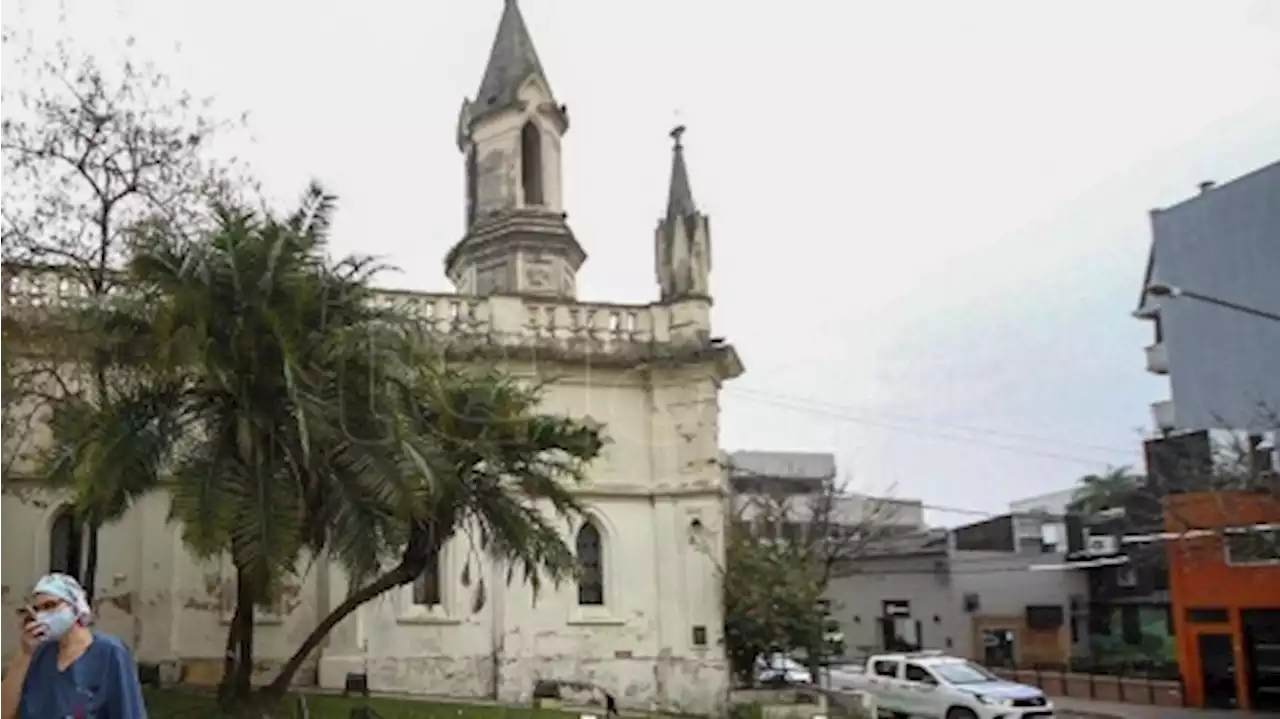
column 1102, row 545
column 1109, row 514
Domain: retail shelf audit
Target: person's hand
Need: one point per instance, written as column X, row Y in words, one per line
column 32, row 633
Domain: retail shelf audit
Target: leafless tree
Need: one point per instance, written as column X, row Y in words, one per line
column 834, row 524
column 92, row 153
column 827, row 525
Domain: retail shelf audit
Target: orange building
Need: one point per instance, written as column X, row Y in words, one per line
column 1224, row 586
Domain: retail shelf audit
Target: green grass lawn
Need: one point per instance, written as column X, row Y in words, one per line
column 190, row 705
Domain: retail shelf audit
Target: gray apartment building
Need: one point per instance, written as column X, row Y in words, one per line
column 1212, row 294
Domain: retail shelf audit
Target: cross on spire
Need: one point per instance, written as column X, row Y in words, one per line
column 676, row 133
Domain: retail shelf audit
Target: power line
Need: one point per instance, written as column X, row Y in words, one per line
column 744, row 472
column 960, row 439
column 908, row 419
column 947, row 572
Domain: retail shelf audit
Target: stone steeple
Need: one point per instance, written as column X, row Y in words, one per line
column 512, row 61
column 682, row 242
column 517, row 239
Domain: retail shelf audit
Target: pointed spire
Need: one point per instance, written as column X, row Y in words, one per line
column 512, row 60
column 680, row 197
column 682, row 242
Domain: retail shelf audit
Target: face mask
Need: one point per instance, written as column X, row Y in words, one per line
column 57, row 622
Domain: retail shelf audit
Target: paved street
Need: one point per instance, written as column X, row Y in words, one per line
column 1085, row 709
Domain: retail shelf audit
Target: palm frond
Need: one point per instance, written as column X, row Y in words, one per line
column 111, row 453
column 312, row 415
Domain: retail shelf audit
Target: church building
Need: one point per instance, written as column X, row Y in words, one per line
column 645, row 621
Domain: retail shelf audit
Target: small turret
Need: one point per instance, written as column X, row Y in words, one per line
column 683, row 238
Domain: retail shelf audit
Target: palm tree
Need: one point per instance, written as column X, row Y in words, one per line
column 1109, row 490
column 493, row 458
column 284, row 411
column 219, row 347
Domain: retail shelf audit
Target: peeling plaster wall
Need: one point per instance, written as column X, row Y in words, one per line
column 152, row 594
column 126, row 603
column 657, row 476
column 657, row 495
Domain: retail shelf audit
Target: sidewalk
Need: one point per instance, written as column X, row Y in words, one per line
column 1084, row 709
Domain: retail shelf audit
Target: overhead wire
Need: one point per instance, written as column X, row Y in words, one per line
column 969, row 511
column 744, row 472
column 898, row 417
column 950, row 432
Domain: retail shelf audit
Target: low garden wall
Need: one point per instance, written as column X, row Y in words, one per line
column 1101, row 687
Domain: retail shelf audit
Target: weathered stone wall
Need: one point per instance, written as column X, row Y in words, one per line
column 657, row 496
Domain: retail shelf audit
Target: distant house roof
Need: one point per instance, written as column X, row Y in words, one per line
column 929, row 541
column 1050, row 502
column 783, row 465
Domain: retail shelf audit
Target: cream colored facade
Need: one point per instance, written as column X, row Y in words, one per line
column 650, row 373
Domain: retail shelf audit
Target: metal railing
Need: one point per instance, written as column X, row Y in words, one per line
column 1118, row 678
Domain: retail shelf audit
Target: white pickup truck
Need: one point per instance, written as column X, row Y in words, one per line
column 935, row 686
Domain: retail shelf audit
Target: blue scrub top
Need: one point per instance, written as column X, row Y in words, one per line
column 101, row 684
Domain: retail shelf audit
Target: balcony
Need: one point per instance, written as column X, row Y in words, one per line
column 1158, row 358
column 1162, row 414
column 463, row 325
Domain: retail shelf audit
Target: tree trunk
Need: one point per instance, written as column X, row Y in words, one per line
column 89, row 577
column 426, row 537
column 401, row 575
column 424, row 544
column 225, row 693
column 245, row 609
column 237, row 667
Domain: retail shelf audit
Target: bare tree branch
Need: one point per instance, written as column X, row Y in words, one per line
column 93, row 152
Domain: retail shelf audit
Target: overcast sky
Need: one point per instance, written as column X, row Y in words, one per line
column 929, row 218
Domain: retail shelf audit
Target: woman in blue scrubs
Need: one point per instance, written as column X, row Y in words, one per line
column 66, row 670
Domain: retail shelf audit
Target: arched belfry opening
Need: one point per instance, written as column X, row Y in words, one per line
column 66, row 542
column 531, row 163
column 472, row 199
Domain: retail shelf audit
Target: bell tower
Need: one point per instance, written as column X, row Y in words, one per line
column 517, row 239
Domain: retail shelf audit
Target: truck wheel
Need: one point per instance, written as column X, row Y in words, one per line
column 961, row 713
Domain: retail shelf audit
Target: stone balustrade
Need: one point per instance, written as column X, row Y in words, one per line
column 496, row 321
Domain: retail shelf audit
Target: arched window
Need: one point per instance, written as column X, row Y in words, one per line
column 531, row 163
column 426, row 587
column 591, row 564
column 66, row 537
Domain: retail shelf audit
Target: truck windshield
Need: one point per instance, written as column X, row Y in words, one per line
column 963, row 673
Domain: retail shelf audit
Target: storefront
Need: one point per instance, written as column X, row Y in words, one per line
column 1224, row 572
